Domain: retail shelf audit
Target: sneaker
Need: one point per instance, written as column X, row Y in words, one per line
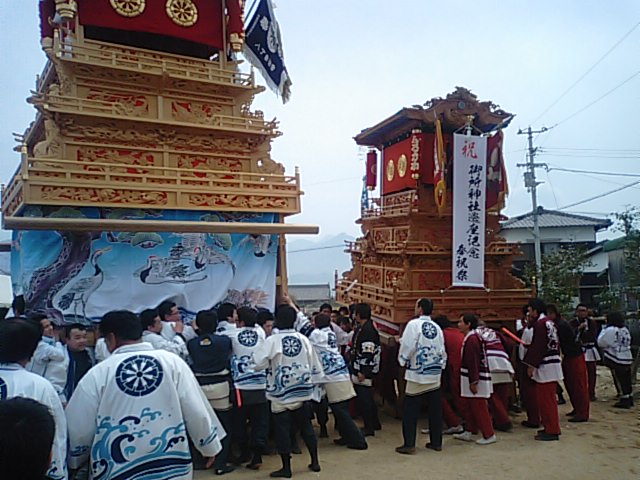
column 431, row 446
column 424, row 431
column 526, row 423
column 578, row 420
column 451, row 430
column 487, row 441
column 464, row 436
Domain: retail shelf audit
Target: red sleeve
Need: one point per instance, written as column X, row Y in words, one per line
column 538, row 348
column 507, row 343
column 234, row 14
column 471, row 356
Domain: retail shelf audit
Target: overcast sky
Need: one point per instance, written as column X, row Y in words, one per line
column 354, row 63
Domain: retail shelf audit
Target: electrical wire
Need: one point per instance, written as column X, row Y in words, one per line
column 613, row 174
column 590, row 104
column 555, row 199
column 629, row 185
column 589, row 70
column 313, row 249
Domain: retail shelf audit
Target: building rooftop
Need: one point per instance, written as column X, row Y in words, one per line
column 555, row 219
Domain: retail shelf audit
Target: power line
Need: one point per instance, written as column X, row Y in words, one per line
column 601, row 195
column 613, row 174
column 555, row 199
column 611, row 150
column 589, row 70
column 316, row 248
column 589, row 155
column 596, row 100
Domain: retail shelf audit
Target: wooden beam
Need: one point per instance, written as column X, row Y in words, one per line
column 115, row 225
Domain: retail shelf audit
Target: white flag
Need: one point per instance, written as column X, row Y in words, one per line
column 469, row 191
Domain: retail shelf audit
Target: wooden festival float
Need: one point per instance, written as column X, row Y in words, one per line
column 138, row 134
column 406, row 249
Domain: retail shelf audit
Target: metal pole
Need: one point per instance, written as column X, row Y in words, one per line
column 534, row 206
column 531, row 183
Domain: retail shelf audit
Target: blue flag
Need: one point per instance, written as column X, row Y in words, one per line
column 263, row 49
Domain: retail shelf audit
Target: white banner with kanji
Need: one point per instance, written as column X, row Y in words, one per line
column 469, row 190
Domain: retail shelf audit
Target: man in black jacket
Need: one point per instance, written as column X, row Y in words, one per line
column 365, row 364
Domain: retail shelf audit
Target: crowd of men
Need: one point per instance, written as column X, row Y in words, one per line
column 157, row 398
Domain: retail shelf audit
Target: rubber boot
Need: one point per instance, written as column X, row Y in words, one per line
column 285, row 471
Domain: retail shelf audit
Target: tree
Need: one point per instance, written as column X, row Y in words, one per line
column 628, row 222
column 561, row 273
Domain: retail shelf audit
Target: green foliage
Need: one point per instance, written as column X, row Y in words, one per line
column 628, row 222
column 561, row 272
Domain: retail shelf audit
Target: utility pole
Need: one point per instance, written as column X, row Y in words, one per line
column 531, row 183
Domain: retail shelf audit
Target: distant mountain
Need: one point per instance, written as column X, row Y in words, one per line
column 316, row 261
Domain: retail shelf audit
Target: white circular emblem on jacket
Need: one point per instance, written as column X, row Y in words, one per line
column 291, row 346
column 248, row 338
column 139, row 375
column 429, row 330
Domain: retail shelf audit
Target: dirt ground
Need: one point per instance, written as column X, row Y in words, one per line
column 606, row 448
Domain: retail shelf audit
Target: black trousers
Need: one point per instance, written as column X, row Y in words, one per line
column 283, row 422
column 345, row 425
column 321, row 410
column 411, row 412
column 622, row 375
column 226, row 419
column 258, row 417
column 367, row 407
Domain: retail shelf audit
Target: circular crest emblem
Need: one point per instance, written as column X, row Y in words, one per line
column 429, row 330
column 182, row 12
column 402, row 165
column 139, row 375
column 391, row 170
column 291, row 346
column 128, row 8
column 248, row 338
column 3, row 389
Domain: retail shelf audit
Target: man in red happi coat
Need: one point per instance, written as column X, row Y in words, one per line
column 574, row 367
column 453, row 339
column 544, row 368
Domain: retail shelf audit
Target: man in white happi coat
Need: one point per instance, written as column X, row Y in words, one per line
column 293, row 367
column 50, row 358
column 152, row 330
column 172, row 321
column 18, row 340
column 132, row 412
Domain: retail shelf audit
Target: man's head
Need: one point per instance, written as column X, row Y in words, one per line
column 247, row 317
column 343, row 311
column 326, row 308
column 265, row 320
column 150, row 320
column 285, row 316
column 45, row 323
column 468, row 322
column 552, row 312
column 19, row 338
column 615, row 319
column 27, row 429
column 362, row 313
column 345, row 324
column 537, row 307
column 322, row 320
column 442, row 321
column 18, row 305
column 424, row 306
column 206, row 322
column 227, row 312
column 582, row 311
column 120, row 327
column 76, row 335
column 334, row 316
column 169, row 312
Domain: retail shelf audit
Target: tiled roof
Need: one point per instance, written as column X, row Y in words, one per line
column 554, row 218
